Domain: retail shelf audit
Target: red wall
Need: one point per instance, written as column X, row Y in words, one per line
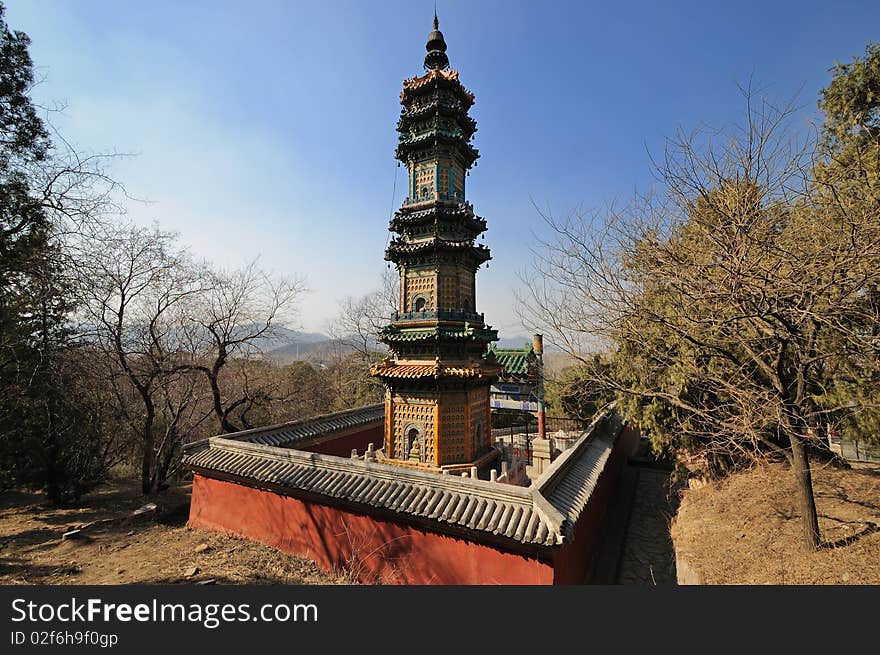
column 571, row 564
column 342, row 446
column 372, row 549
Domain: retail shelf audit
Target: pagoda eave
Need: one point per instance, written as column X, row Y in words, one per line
column 397, row 370
column 447, row 207
column 437, row 108
column 439, row 212
column 426, row 324
column 467, row 152
column 431, row 258
column 399, row 251
column 410, row 333
column 448, row 79
column 429, row 201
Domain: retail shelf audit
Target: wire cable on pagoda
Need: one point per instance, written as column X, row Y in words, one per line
column 393, row 199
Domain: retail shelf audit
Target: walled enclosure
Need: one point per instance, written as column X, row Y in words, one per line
column 374, row 544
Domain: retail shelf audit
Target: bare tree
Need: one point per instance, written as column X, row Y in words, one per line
column 180, row 342
column 232, row 323
column 360, row 320
column 133, row 285
column 354, row 344
column 77, row 189
column 722, row 301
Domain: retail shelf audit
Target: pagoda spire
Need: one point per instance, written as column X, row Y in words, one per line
column 436, row 58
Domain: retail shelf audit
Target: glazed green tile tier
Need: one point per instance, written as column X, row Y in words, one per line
column 392, row 334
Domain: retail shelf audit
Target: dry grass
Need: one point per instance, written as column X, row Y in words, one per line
column 144, row 551
column 747, row 528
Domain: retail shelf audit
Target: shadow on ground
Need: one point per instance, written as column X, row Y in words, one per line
column 637, row 547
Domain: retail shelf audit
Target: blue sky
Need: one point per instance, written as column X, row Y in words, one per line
column 267, row 128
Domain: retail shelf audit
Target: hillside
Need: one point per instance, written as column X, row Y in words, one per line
column 116, row 548
column 746, row 529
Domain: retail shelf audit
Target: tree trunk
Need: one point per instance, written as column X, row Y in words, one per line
column 147, row 461
column 155, row 485
column 213, row 374
column 164, row 460
column 226, row 425
column 800, row 465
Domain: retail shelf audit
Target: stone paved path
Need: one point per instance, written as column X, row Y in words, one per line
column 647, row 556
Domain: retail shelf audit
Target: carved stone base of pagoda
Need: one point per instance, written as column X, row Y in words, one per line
column 480, row 463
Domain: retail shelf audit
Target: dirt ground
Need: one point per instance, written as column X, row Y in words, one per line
column 118, row 548
column 747, row 528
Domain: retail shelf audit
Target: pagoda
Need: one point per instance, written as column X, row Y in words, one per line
column 439, row 370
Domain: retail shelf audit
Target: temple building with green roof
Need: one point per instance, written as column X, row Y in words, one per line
column 520, row 388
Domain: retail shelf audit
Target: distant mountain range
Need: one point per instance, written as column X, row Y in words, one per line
column 286, row 345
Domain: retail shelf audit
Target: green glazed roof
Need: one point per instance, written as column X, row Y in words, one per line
column 516, row 363
column 392, row 333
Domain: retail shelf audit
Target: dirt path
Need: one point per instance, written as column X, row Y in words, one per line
column 155, row 549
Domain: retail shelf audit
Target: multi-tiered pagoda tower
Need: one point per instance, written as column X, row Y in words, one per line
column 438, row 375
